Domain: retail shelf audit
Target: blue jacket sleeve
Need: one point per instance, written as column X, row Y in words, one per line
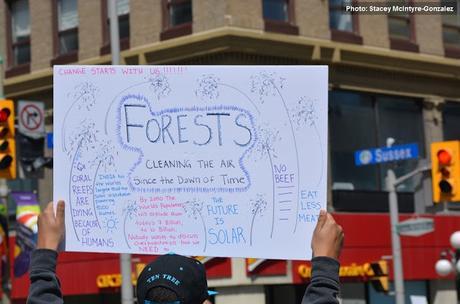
column 44, row 284
column 324, row 286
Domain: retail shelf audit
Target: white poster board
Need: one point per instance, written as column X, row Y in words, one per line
column 198, row 160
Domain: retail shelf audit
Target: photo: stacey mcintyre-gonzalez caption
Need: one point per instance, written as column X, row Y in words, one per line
column 449, row 7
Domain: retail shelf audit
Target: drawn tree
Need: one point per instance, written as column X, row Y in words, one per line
column 208, row 87
column 193, row 209
column 269, row 84
column 159, row 84
column 304, row 115
column 84, row 95
column 130, row 211
column 82, row 143
column 265, row 149
column 258, row 207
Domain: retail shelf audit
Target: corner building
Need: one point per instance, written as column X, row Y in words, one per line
column 390, row 76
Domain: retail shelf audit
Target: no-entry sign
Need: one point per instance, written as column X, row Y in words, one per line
column 31, row 118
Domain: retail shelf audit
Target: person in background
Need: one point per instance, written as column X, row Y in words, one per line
column 175, row 279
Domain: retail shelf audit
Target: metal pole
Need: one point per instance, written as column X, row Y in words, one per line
column 1, row 77
column 395, row 241
column 457, row 275
column 125, row 259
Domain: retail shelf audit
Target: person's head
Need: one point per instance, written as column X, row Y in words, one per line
column 173, row 279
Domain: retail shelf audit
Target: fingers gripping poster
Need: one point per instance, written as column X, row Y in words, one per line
column 198, row 160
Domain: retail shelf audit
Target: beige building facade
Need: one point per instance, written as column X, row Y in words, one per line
column 402, row 70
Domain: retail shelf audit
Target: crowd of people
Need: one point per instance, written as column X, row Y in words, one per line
column 176, row 279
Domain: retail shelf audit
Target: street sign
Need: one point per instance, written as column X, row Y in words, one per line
column 383, row 155
column 49, row 140
column 415, row 227
column 31, row 118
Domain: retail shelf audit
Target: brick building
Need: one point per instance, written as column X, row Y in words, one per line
column 397, row 75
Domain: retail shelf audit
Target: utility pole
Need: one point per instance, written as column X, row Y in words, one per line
column 125, row 258
column 392, row 182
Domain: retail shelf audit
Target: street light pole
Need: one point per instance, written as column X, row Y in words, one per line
column 395, row 240
column 450, row 262
column 125, row 259
column 457, row 273
column 392, row 182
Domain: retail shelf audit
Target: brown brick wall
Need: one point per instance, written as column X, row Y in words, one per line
column 245, row 13
column 208, row 14
column 428, row 33
column 41, row 34
column 312, row 18
column 89, row 28
column 374, row 30
column 145, row 21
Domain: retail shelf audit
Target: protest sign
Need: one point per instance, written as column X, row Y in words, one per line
column 196, row 160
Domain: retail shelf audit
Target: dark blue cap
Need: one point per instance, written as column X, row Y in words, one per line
column 184, row 276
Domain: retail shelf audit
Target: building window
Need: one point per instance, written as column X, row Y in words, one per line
column 123, row 25
column 338, row 18
column 451, row 32
column 402, row 32
column 66, row 29
column 177, row 18
column 279, row 16
column 18, row 38
column 180, row 12
column 451, row 120
column 277, row 10
column 343, row 25
column 383, row 117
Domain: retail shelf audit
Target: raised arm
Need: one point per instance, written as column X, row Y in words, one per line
column 44, row 284
column 326, row 245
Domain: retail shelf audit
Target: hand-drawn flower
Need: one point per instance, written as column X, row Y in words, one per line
column 257, row 207
column 160, row 85
column 208, row 86
column 265, row 84
column 84, row 95
column 304, row 113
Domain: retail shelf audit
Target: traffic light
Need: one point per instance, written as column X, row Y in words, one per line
column 7, row 140
column 380, row 278
column 445, row 171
